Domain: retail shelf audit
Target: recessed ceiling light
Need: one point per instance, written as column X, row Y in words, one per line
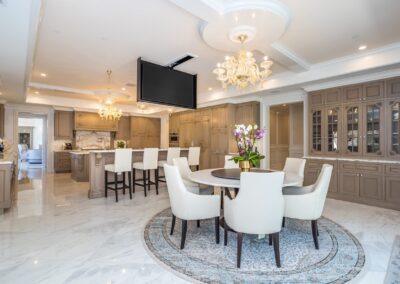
column 1, row 93
column 253, row 15
column 236, row 19
column 43, row 75
column 123, row 89
column 210, row 89
column 362, row 47
column 284, row 105
column 36, row 92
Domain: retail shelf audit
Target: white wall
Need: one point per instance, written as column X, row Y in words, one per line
column 37, row 124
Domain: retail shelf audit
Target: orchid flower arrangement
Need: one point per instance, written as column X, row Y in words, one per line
column 246, row 138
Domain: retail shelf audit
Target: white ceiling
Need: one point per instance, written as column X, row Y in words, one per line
column 79, row 40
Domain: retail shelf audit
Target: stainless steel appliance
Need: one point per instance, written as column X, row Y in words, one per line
column 174, row 139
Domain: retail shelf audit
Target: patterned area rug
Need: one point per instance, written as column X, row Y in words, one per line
column 339, row 259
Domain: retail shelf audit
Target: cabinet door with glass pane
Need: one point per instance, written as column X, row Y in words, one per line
column 373, row 132
column 393, row 111
column 316, row 131
column 332, row 133
column 352, row 137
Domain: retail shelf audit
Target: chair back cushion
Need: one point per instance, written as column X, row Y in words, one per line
column 295, row 166
column 183, row 167
column 194, row 156
column 173, row 152
column 123, row 160
column 230, row 164
column 321, row 187
column 150, row 158
column 258, row 208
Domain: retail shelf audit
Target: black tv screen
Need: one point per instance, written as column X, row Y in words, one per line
column 162, row 85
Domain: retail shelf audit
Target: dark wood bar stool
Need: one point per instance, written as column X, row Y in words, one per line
column 122, row 165
column 150, row 163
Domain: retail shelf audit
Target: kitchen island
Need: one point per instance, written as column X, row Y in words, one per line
column 99, row 158
column 80, row 165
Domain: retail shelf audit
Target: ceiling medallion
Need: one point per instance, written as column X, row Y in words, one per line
column 243, row 70
column 108, row 111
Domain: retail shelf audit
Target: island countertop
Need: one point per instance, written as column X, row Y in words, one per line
column 133, row 150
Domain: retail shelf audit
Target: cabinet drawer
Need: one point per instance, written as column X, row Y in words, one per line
column 373, row 168
column 348, row 166
column 314, row 164
column 393, row 170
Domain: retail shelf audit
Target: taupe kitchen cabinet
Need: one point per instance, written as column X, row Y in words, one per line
column 91, row 121
column 364, row 129
column 247, row 113
column 62, row 162
column 325, row 97
column 393, row 129
column 393, row 88
column 363, row 92
column 174, row 120
column 392, row 185
column 63, row 125
column 145, row 132
column 6, row 185
column 325, row 131
column 124, row 128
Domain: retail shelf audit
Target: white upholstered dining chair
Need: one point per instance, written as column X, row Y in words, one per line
column 230, row 164
column 294, row 170
column 188, row 206
column 307, row 203
column 257, row 209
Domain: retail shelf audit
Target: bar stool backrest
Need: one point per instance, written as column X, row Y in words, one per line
column 150, row 159
column 173, row 152
column 123, row 160
column 194, row 156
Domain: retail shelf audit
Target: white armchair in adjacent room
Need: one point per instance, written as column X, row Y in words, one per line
column 188, row 206
column 257, row 209
column 294, row 170
column 307, row 203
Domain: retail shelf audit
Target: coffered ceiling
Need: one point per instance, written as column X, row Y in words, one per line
column 78, row 41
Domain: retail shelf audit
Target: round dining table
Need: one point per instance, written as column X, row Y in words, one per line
column 230, row 178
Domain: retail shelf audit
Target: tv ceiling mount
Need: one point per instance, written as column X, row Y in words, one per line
column 181, row 60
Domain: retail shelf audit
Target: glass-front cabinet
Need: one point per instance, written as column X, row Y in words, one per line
column 394, row 128
column 373, row 115
column 352, row 142
column 333, row 130
column 316, row 131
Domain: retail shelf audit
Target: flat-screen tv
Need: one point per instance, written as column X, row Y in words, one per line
column 163, row 85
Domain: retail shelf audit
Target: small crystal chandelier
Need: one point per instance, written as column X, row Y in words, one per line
column 108, row 111
column 243, row 70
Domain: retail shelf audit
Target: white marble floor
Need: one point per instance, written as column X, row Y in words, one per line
column 55, row 234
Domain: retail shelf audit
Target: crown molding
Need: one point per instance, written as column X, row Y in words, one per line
column 284, row 50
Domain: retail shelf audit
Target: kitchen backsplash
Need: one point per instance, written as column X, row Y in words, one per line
column 92, row 140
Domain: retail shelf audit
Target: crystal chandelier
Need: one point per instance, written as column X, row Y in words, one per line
column 243, row 70
column 108, row 111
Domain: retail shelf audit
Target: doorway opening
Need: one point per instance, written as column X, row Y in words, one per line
column 32, row 141
column 286, row 133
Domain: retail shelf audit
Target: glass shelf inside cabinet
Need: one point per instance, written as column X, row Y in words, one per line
column 316, row 130
column 333, row 125
column 395, row 123
column 373, row 128
column 352, row 129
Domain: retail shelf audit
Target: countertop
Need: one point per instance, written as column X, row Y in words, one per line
column 134, row 150
column 6, row 162
column 352, row 160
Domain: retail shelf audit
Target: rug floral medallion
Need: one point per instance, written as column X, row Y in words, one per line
column 339, row 259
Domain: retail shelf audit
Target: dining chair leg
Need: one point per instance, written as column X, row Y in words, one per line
column 239, row 248
column 197, row 167
column 198, row 223
column 116, row 186
column 156, row 179
column 275, row 238
column 184, row 229
column 123, row 183
column 216, row 220
column 105, row 183
column 270, row 239
column 144, row 183
column 133, row 180
column 130, row 184
column 225, row 233
column 173, row 224
column 222, row 198
column 283, row 221
column 314, row 228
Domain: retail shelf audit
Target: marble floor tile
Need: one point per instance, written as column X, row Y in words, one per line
column 55, row 234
